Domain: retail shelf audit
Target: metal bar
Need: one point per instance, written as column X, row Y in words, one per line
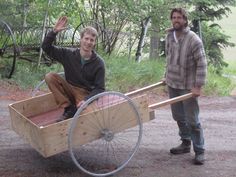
column 43, row 32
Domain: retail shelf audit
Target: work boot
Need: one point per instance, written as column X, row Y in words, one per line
column 199, row 159
column 184, row 147
column 69, row 112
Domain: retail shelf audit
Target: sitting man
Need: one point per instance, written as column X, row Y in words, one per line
column 84, row 69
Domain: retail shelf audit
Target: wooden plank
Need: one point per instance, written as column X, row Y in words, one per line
column 26, row 129
column 116, row 117
column 171, row 101
column 47, row 118
column 151, row 114
column 144, row 89
column 56, row 137
column 36, row 105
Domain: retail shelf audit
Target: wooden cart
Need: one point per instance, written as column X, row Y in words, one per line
column 103, row 135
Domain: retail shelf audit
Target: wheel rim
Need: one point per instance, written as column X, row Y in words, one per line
column 114, row 145
column 8, row 50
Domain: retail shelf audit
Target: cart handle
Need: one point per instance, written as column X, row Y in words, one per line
column 171, row 101
column 144, row 89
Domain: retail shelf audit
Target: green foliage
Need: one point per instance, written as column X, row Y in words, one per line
column 215, row 40
column 230, row 69
column 207, row 11
column 71, row 8
column 28, row 75
column 210, row 10
column 123, row 75
column 5, row 67
column 10, row 11
column 32, row 12
column 218, row 85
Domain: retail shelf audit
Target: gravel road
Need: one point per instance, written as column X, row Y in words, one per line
column 218, row 116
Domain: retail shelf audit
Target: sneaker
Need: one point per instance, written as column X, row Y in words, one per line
column 69, row 112
column 199, row 159
column 184, row 147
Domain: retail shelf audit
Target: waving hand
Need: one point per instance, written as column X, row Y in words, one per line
column 61, row 24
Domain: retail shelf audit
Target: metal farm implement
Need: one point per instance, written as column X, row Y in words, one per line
column 103, row 135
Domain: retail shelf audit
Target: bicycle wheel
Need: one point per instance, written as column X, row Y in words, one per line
column 110, row 126
column 8, row 50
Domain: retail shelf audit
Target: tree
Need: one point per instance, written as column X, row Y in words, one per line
column 215, row 40
column 204, row 14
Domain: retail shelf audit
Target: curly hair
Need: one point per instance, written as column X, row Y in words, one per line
column 182, row 12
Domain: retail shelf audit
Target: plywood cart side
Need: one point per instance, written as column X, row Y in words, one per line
column 52, row 139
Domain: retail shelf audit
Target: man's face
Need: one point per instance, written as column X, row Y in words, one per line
column 178, row 21
column 87, row 42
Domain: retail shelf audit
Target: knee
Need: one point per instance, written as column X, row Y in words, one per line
column 196, row 127
column 50, row 77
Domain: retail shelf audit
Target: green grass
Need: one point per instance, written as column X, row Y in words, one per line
column 28, row 75
column 218, row 85
column 121, row 75
column 231, row 69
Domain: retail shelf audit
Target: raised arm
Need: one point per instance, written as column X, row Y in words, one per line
column 51, row 50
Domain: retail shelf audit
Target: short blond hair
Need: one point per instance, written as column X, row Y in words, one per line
column 89, row 30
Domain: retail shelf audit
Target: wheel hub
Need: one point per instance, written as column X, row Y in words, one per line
column 107, row 135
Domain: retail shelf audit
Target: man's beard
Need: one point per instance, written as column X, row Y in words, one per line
column 179, row 27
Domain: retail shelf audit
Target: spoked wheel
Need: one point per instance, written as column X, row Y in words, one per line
column 105, row 133
column 8, row 50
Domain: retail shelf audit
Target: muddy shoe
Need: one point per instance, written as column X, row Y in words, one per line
column 199, row 159
column 184, row 147
column 69, row 112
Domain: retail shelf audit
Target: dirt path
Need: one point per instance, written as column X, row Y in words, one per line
column 153, row 159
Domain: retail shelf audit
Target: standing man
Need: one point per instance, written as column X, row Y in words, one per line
column 185, row 72
column 84, row 69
